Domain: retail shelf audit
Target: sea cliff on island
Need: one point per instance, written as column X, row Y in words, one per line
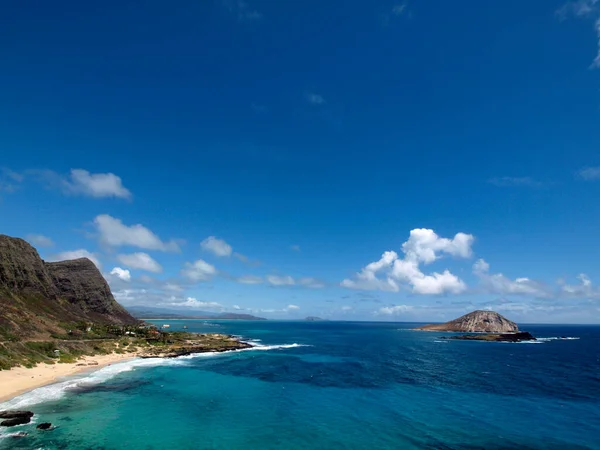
column 487, row 326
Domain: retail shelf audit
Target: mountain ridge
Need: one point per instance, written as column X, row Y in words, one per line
column 37, row 298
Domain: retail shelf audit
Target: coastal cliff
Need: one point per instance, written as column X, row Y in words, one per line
column 476, row 322
column 36, row 297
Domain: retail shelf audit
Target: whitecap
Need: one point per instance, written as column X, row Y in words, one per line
column 557, row 338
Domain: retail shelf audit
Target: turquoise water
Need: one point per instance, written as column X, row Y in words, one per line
column 334, row 385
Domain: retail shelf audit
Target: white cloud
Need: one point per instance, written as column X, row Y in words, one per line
column 590, row 173
column 423, row 246
column 280, row 281
column 249, row 279
column 393, row 310
column 315, row 99
column 142, row 261
column 237, row 307
column 191, row 302
column 347, row 308
column 216, row 246
column 114, row 233
column 199, row 270
column 293, row 307
column 96, row 184
column 311, row 283
column 40, row 240
column 584, row 289
column 76, row 254
column 122, row 274
column 499, row 284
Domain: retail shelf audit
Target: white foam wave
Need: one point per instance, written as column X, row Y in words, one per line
column 558, row 338
column 57, row 390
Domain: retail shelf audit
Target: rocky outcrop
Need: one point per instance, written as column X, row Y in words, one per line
column 508, row 337
column 35, row 296
column 476, row 322
column 14, row 418
column 15, row 414
column 44, row 426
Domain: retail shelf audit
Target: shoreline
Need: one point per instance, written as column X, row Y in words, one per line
column 20, row 380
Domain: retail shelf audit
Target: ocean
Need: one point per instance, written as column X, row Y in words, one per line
column 333, row 385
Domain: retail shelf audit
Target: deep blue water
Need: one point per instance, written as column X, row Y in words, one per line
column 344, row 386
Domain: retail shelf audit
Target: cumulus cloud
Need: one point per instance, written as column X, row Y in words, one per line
column 199, row 270
column 589, row 173
column 216, row 246
column 96, row 185
column 142, row 261
column 78, row 182
column 280, row 280
column 249, row 279
column 499, row 284
column 293, row 307
column 114, row 233
column 122, row 274
column 76, row 254
column 393, row 310
column 423, row 246
column 40, row 240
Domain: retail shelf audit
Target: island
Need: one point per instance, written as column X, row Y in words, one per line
column 476, row 322
column 484, row 325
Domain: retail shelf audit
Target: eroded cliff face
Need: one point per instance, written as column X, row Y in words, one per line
column 80, row 283
column 476, row 322
column 35, row 296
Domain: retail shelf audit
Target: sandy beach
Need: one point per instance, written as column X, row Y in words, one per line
column 19, row 380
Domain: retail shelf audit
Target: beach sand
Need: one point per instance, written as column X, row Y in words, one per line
column 19, row 380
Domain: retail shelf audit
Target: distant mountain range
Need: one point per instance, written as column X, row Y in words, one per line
column 148, row 312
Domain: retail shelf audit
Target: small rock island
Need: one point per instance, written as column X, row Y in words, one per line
column 489, row 325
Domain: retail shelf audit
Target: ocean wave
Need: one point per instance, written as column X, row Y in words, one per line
column 558, row 338
column 56, row 391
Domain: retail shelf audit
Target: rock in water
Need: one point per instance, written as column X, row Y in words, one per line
column 15, row 421
column 44, row 426
column 507, row 337
column 476, row 322
column 15, row 414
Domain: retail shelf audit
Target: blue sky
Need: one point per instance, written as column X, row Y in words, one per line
column 262, row 156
